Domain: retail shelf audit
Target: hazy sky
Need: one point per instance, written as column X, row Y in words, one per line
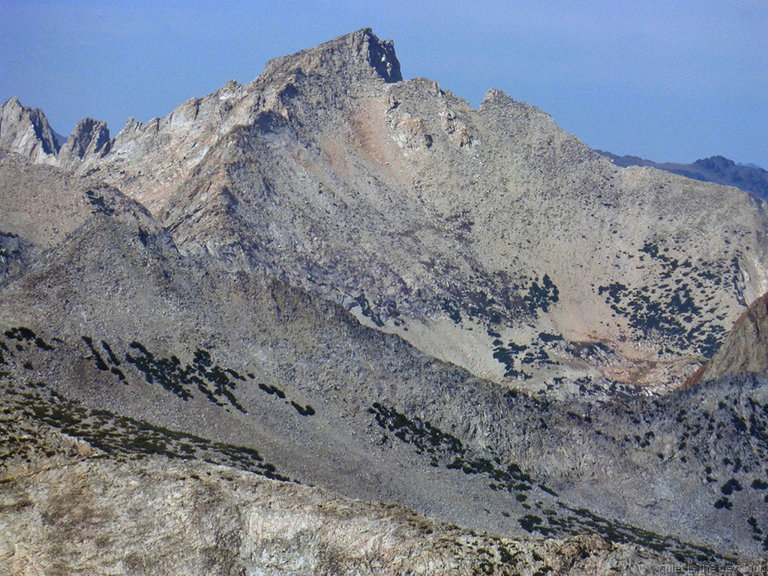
column 668, row 80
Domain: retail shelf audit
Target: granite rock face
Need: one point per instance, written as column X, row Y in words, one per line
column 26, row 131
column 90, row 138
column 158, row 518
column 336, row 277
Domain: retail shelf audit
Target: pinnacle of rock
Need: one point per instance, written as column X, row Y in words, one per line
column 26, row 131
column 89, row 138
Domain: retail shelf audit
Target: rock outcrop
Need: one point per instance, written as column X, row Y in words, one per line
column 26, row 131
column 89, row 139
column 156, row 517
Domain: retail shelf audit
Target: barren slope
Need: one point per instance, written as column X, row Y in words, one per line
column 745, row 350
column 123, row 337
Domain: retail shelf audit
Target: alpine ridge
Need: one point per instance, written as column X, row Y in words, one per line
column 338, row 321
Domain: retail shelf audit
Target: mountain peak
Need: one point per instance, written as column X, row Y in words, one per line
column 90, row 137
column 364, row 282
column 358, row 53
column 26, row 131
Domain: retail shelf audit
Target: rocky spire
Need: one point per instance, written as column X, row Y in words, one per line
column 26, row 131
column 89, row 138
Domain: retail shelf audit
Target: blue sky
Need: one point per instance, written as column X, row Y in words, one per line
column 667, row 80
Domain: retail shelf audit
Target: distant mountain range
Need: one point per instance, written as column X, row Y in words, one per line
column 717, row 169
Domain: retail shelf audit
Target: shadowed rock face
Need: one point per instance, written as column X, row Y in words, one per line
column 337, row 277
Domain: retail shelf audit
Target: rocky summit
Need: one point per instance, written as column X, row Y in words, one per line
column 337, row 322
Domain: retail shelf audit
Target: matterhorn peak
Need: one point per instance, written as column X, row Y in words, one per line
column 366, row 288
